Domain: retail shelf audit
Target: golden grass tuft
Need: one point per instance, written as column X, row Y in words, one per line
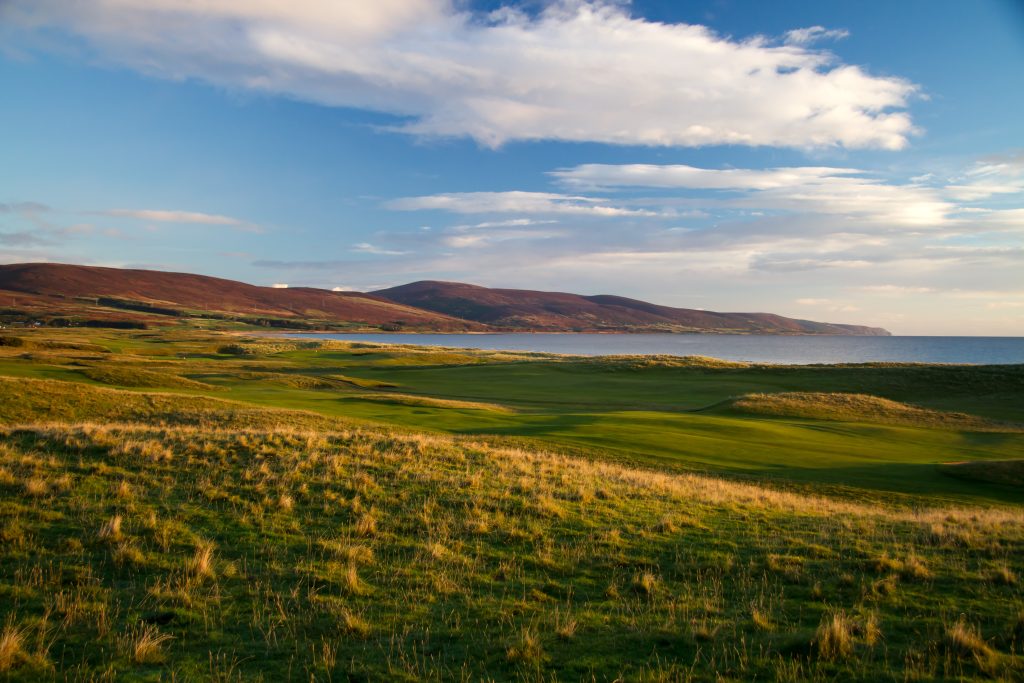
column 646, row 583
column 526, row 648
column 834, row 637
column 915, row 568
column 123, row 490
column 566, row 627
column 666, row 525
column 366, row 525
column 36, row 487
column 350, row 581
column 201, row 565
column 146, row 645
column 111, row 529
column 761, row 619
column 1003, row 576
column 872, row 630
column 12, row 647
column 964, row 640
column 127, row 553
column 353, row 624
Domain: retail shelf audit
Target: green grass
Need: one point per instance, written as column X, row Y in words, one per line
column 197, row 552
column 331, row 511
column 665, row 412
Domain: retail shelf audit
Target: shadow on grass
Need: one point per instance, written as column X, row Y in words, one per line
column 923, row 479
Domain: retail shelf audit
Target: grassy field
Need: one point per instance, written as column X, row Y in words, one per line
column 681, row 414
column 184, row 505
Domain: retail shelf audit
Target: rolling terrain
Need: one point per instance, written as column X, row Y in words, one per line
column 189, row 505
column 59, row 294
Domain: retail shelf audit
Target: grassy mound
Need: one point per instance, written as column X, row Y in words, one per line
column 429, row 402
column 32, row 400
column 321, row 382
column 33, row 342
column 134, row 377
column 294, row 380
column 365, row 383
column 226, row 554
column 663, row 361
column 856, row 408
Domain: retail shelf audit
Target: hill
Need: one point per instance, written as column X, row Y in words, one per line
column 563, row 312
column 128, row 295
column 60, row 293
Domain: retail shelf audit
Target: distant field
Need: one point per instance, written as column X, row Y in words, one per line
column 666, row 412
column 182, row 505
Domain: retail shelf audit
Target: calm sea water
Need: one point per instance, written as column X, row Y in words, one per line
column 756, row 348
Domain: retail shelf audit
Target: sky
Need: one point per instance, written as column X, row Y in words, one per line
column 852, row 162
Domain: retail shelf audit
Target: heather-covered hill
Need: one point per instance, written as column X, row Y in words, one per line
column 560, row 311
column 69, row 289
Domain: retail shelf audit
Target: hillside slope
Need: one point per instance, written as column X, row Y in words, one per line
column 559, row 311
column 60, row 289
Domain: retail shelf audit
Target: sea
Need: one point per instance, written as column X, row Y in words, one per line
column 798, row 350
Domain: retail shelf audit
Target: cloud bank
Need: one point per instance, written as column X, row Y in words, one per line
column 577, row 70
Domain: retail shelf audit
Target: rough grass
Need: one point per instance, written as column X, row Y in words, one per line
column 858, row 408
column 29, row 400
column 127, row 376
column 374, row 570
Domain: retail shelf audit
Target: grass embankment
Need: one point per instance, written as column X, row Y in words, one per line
column 858, row 408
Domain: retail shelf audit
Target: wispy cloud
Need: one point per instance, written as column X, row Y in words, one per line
column 998, row 175
column 814, row 34
column 23, row 207
column 573, row 71
column 182, row 218
column 838, row 191
column 517, row 202
column 367, row 248
column 23, row 238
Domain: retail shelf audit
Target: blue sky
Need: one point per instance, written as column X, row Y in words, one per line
column 852, row 162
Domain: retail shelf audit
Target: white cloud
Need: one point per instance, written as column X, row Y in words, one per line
column 835, row 191
column 181, row 217
column 512, row 222
column 516, row 202
column 813, row 34
column 367, row 248
column 575, row 71
column 462, row 239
